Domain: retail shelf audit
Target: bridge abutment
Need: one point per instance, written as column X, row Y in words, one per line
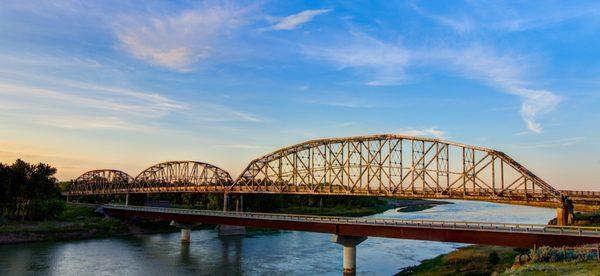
column 349, row 243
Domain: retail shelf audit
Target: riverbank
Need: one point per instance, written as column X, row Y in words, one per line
column 76, row 223
column 496, row 260
column 468, row 260
column 416, row 205
column 403, row 206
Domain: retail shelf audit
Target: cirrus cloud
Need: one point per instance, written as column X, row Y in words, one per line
column 291, row 22
column 180, row 40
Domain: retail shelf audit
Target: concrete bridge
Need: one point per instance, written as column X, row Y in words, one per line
column 349, row 232
column 387, row 165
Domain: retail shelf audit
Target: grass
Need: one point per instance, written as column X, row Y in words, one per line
column 72, row 219
column 470, row 260
column 587, row 219
column 561, row 268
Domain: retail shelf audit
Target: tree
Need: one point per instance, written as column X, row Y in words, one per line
column 29, row 191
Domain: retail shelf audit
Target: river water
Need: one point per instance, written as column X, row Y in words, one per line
column 276, row 253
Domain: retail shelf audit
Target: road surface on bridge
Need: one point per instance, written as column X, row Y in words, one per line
column 503, row 234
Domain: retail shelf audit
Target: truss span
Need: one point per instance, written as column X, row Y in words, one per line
column 182, row 176
column 102, row 181
column 171, row 176
column 393, row 165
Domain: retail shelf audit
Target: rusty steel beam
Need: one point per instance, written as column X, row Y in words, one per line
column 393, row 165
column 377, row 165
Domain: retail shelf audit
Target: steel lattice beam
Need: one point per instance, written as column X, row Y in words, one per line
column 393, row 165
column 380, row 165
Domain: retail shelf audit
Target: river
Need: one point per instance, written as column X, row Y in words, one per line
column 275, row 253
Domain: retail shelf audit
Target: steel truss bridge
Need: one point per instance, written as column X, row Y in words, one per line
column 378, row 165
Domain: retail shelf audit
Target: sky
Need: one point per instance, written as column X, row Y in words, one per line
column 127, row 84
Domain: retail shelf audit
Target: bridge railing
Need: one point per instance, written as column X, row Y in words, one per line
column 456, row 225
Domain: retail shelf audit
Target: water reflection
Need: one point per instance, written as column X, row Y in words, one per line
column 277, row 253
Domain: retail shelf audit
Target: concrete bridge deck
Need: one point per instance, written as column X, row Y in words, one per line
column 504, row 234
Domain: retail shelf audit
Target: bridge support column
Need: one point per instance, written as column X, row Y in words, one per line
column 564, row 212
column 185, row 235
column 185, row 230
column 230, row 230
column 126, row 199
column 225, row 202
column 349, row 243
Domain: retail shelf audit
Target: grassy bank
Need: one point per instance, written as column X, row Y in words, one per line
column 496, row 260
column 75, row 222
column 558, row 269
column 470, row 260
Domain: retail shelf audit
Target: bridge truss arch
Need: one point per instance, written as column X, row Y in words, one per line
column 102, row 181
column 393, row 165
column 182, row 176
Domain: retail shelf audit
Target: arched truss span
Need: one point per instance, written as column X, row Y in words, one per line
column 393, row 165
column 102, row 181
column 182, row 176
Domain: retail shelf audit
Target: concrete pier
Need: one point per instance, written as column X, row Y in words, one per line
column 127, row 199
column 185, row 235
column 225, row 202
column 231, row 230
column 564, row 212
column 349, row 243
column 185, row 230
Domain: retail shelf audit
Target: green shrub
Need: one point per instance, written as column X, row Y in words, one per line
column 76, row 213
column 553, row 254
column 493, row 258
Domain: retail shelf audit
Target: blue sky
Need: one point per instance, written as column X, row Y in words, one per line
column 124, row 85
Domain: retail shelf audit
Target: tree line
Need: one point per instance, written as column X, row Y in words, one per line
column 29, row 191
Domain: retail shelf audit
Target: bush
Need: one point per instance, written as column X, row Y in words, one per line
column 552, row 254
column 493, row 258
column 75, row 213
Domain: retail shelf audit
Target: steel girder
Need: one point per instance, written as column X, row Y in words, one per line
column 393, row 165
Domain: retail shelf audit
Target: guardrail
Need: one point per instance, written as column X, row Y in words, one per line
column 451, row 225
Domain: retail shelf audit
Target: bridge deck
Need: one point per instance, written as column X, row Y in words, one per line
column 505, row 234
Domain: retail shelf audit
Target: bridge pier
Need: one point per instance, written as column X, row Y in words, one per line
column 231, row 230
column 127, row 199
column 185, row 230
column 349, row 243
column 564, row 212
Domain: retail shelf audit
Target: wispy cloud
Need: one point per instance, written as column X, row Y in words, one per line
column 425, row 132
column 240, row 146
column 566, row 142
column 180, row 40
column 385, row 61
column 505, row 73
column 291, row 22
column 61, row 97
column 507, row 16
column 90, row 123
